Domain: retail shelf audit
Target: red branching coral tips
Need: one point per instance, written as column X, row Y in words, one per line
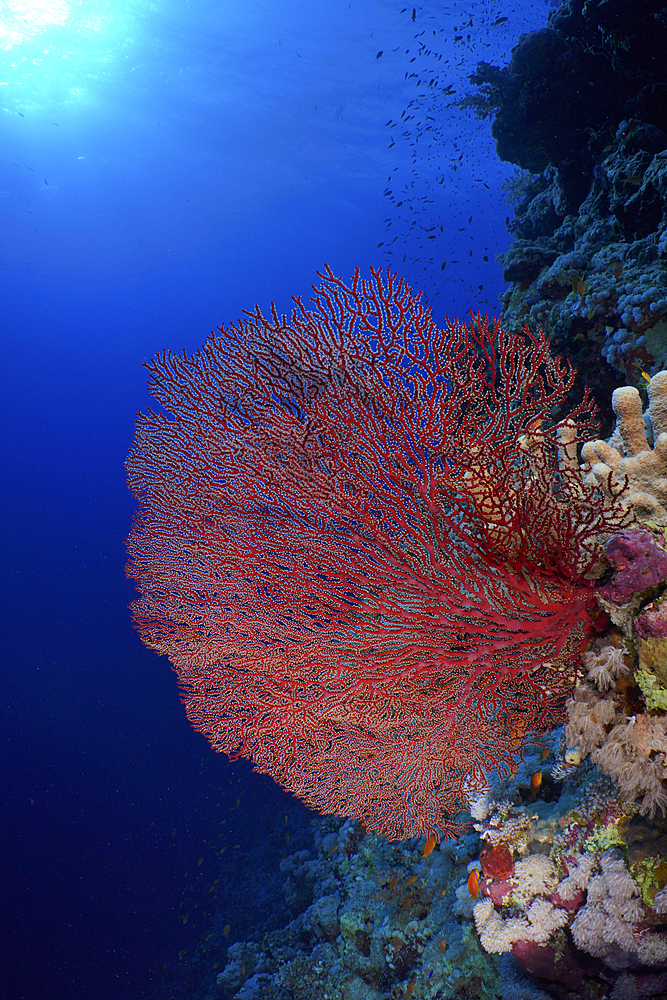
column 356, row 546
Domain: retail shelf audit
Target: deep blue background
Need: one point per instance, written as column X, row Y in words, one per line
column 162, row 169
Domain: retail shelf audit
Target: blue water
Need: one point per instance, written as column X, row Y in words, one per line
column 164, row 167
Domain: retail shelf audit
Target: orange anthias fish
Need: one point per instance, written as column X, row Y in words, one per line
column 535, row 783
column 473, row 883
column 428, row 846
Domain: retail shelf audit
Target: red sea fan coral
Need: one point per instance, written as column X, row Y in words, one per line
column 358, row 548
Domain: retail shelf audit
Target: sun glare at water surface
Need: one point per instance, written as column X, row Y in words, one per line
column 23, row 19
column 57, row 49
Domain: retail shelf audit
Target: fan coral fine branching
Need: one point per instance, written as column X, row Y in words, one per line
column 366, row 548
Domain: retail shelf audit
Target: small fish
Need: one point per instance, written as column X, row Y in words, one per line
column 408, row 992
column 411, row 881
column 647, row 377
column 394, row 882
column 225, row 930
column 428, row 846
column 473, row 883
column 535, row 782
column 443, row 945
column 499, row 20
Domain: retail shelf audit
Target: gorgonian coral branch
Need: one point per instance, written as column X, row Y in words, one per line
column 358, row 548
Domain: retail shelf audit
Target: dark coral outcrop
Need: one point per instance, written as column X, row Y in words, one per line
column 582, row 109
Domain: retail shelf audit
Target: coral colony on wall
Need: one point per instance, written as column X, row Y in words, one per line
column 365, row 544
column 369, row 549
column 585, row 879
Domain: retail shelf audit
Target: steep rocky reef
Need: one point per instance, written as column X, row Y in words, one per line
column 582, row 110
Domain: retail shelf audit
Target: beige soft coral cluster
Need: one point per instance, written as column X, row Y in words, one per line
column 597, row 897
column 592, row 891
column 630, row 749
column 497, row 935
column 636, row 454
column 611, row 916
column 534, row 879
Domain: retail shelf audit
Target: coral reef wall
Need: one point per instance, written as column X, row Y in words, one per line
column 582, row 110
